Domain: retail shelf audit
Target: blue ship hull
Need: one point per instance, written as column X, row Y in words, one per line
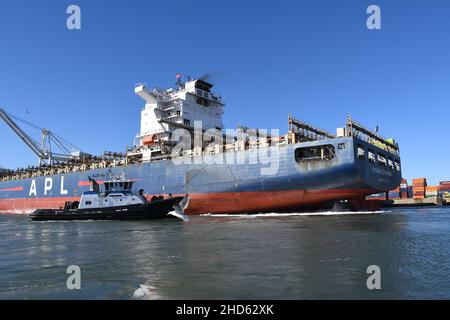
column 255, row 180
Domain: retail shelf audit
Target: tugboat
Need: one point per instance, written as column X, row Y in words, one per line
column 117, row 202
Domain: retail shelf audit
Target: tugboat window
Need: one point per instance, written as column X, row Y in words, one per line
column 315, row 153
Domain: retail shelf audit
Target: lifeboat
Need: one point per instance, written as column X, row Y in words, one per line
column 148, row 140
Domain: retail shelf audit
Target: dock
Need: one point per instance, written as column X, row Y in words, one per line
column 433, row 201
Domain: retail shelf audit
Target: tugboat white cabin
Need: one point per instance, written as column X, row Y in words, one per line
column 117, row 193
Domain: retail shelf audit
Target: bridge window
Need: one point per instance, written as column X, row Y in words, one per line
column 381, row 159
column 372, row 156
column 390, row 163
column 315, row 153
column 397, row 165
column 361, row 152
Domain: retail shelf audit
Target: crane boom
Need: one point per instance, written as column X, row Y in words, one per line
column 44, row 149
column 22, row 135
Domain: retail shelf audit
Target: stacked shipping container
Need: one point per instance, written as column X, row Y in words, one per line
column 444, row 189
column 394, row 194
column 431, row 191
column 410, row 192
column 377, row 196
column 419, row 188
column 404, row 189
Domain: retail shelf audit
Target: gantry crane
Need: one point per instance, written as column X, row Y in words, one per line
column 49, row 139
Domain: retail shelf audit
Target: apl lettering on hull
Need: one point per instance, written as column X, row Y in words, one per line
column 48, row 187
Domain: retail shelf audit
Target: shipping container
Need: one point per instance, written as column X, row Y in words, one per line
column 392, row 196
column 419, row 182
column 410, row 192
column 377, row 196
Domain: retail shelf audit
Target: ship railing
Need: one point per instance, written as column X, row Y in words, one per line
column 34, row 172
column 307, row 132
column 357, row 130
column 317, row 158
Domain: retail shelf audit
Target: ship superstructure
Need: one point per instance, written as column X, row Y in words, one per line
column 251, row 171
column 171, row 109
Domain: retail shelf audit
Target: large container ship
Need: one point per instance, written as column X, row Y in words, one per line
column 242, row 172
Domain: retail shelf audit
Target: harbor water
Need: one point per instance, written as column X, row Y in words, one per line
column 290, row 256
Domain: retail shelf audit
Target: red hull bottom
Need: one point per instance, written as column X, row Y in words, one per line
column 232, row 202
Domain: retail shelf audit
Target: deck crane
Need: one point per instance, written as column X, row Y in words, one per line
column 68, row 152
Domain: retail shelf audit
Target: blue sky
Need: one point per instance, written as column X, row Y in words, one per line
column 316, row 59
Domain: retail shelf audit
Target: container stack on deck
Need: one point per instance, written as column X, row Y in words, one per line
column 419, row 193
column 419, row 188
column 404, row 189
column 444, row 189
column 410, row 192
column 431, row 191
column 394, row 194
column 4, row 172
column 377, row 196
column 399, row 193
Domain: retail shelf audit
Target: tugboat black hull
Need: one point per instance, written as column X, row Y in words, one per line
column 158, row 209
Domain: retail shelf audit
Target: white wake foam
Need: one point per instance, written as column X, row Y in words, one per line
column 143, row 292
column 16, row 212
column 294, row 214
